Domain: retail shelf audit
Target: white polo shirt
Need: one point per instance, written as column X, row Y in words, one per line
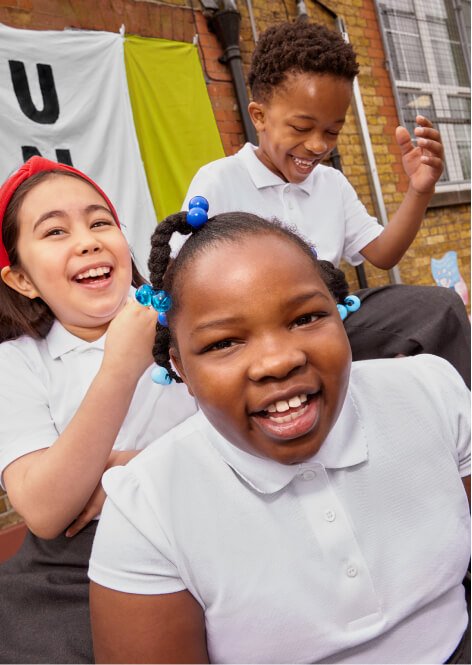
column 324, row 207
column 43, row 383
column 355, row 556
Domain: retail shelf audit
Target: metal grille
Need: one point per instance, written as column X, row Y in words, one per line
column 428, row 46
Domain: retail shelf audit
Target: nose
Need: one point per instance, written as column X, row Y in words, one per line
column 276, row 360
column 316, row 143
column 88, row 243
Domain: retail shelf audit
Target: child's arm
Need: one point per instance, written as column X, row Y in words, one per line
column 94, row 505
column 50, row 487
column 132, row 628
column 423, row 164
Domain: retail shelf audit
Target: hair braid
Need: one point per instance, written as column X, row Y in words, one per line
column 159, row 264
column 335, row 280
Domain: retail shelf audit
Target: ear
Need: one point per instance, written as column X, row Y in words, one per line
column 19, row 281
column 257, row 114
column 175, row 358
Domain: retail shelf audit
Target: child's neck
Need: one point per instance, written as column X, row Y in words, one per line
column 87, row 334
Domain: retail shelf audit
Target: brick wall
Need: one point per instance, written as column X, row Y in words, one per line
column 444, row 228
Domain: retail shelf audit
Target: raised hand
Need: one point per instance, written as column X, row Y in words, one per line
column 424, row 162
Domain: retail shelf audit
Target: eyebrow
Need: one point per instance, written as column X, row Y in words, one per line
column 60, row 213
column 234, row 320
column 306, row 116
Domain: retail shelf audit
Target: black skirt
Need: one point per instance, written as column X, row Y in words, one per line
column 44, row 601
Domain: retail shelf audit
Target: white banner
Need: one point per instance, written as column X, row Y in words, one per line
column 64, row 95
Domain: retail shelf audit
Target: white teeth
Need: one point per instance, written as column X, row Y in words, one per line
column 282, row 406
column 94, row 272
column 303, row 162
column 294, row 401
column 285, row 405
column 289, row 417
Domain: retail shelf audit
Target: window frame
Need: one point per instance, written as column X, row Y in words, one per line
column 440, row 93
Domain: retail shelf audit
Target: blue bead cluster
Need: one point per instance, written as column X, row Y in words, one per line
column 197, row 211
column 161, row 301
column 351, row 304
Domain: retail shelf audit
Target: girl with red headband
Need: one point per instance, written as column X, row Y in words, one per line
column 75, row 396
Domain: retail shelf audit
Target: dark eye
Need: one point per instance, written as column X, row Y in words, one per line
column 102, row 222
column 220, row 345
column 307, row 318
column 54, row 232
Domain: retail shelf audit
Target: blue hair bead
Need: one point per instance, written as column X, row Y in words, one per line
column 314, row 252
column 198, row 202
column 342, row 311
column 162, row 318
column 160, row 375
column 352, row 303
column 144, row 295
column 197, row 217
column 161, row 301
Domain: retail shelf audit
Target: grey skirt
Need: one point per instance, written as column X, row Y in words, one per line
column 44, row 601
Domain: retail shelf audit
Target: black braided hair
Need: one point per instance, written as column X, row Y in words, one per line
column 167, row 273
column 298, row 47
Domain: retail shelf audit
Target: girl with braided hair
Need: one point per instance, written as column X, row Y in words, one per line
column 272, row 526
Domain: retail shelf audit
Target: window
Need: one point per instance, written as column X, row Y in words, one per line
column 428, row 46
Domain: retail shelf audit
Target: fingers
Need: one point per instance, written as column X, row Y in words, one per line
column 83, row 519
column 427, row 138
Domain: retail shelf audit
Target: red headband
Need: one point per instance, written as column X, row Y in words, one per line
column 31, row 167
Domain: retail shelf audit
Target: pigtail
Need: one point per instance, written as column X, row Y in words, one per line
column 334, row 280
column 160, row 247
column 160, row 266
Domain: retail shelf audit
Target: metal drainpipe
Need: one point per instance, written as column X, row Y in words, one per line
column 394, row 272
column 225, row 23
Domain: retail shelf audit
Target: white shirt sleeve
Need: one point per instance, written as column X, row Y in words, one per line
column 207, row 183
column 454, row 398
column 360, row 227
column 26, row 424
column 128, row 549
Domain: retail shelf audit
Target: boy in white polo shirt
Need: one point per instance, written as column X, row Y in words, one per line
column 301, row 82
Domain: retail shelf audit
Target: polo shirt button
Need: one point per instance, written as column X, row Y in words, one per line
column 330, row 515
column 351, row 571
column 290, row 205
column 309, row 474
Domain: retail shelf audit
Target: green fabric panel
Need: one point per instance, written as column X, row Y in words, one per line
column 175, row 125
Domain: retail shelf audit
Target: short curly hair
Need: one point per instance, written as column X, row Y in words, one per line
column 298, row 47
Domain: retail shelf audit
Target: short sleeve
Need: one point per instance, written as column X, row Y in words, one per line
column 360, row 227
column 128, row 549
column 451, row 399
column 26, row 424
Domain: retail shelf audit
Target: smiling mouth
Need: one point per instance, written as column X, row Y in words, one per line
column 289, row 419
column 304, row 164
column 94, row 275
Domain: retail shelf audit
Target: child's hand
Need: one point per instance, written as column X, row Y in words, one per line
column 424, row 162
column 95, row 503
column 92, row 509
column 130, row 339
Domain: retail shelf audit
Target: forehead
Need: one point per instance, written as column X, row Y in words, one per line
column 314, row 90
column 57, row 190
column 245, row 272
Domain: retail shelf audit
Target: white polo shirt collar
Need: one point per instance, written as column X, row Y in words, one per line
column 60, row 341
column 262, row 177
column 267, row 476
